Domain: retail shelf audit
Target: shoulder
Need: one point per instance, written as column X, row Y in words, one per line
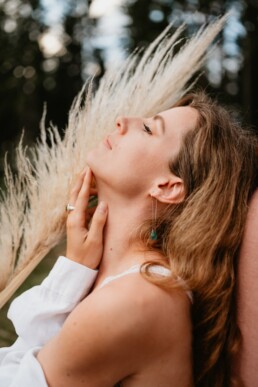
column 116, row 330
column 128, row 307
column 135, row 303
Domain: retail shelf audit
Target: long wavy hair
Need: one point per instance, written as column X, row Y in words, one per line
column 201, row 236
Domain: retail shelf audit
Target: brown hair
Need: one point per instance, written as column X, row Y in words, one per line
column 201, row 236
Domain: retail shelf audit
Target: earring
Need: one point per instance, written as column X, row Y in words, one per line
column 153, row 234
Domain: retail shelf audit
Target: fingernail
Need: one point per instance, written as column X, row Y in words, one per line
column 102, row 207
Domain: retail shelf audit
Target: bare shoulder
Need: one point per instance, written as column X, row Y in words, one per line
column 147, row 308
column 114, row 332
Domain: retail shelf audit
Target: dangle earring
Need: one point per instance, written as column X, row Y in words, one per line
column 153, row 234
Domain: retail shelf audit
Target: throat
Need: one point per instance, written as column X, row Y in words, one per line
column 121, row 248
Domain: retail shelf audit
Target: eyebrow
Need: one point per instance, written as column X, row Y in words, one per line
column 158, row 117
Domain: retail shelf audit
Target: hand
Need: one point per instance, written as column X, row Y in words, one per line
column 85, row 245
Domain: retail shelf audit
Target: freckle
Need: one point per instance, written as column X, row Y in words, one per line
column 111, row 249
column 75, row 323
column 68, row 374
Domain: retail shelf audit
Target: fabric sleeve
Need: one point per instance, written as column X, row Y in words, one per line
column 39, row 313
column 25, row 370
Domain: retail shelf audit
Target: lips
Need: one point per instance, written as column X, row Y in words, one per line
column 107, row 143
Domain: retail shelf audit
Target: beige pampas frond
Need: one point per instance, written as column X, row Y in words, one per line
column 32, row 210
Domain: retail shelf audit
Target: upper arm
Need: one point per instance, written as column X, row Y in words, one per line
column 98, row 342
column 247, row 297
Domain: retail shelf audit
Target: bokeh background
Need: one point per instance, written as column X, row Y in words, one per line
column 49, row 48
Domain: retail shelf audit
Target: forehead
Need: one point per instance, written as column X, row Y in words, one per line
column 182, row 118
column 177, row 122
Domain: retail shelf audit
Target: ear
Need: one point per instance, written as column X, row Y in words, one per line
column 171, row 191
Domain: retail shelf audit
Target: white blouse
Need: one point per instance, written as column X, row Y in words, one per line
column 37, row 315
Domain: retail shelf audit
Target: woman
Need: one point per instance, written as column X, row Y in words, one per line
column 173, row 192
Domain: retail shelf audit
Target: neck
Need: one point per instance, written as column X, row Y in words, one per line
column 124, row 217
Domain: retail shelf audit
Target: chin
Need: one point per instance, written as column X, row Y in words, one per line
column 89, row 158
column 92, row 158
column 93, row 161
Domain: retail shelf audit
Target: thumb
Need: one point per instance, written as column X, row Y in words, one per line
column 98, row 222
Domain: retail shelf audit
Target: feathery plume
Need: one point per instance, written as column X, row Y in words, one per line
column 32, row 209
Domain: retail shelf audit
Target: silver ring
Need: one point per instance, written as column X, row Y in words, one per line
column 69, row 207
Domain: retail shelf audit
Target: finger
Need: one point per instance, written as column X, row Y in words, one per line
column 84, row 193
column 77, row 187
column 98, row 222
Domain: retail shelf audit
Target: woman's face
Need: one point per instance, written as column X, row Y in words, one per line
column 136, row 154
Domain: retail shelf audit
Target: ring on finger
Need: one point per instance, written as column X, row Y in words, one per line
column 69, row 207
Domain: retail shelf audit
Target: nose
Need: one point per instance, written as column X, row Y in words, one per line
column 121, row 124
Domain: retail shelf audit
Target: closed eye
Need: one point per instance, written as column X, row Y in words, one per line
column 147, row 129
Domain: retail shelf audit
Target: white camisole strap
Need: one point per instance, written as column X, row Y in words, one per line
column 156, row 269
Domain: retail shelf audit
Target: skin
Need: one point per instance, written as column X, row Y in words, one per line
column 129, row 330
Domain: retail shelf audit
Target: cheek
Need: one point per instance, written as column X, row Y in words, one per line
column 141, row 158
column 129, row 168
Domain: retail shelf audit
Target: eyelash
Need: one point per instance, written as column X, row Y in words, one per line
column 147, row 129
